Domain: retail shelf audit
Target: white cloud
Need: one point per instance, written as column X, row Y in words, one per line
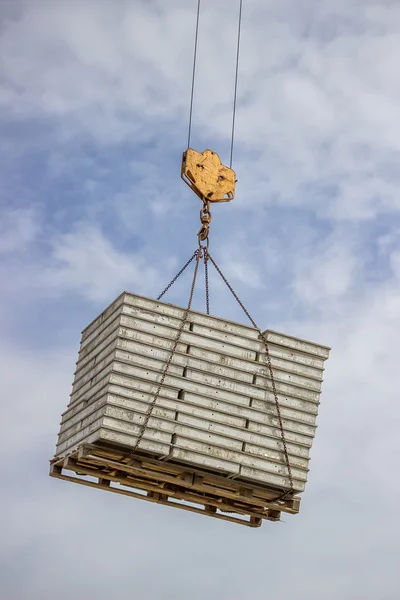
column 317, row 109
column 18, row 229
column 86, row 262
column 310, row 245
column 36, row 389
column 395, row 263
column 327, row 272
column 352, row 472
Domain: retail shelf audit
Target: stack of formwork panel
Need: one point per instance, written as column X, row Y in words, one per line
column 215, row 417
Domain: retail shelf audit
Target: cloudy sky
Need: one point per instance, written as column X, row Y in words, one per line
column 94, row 99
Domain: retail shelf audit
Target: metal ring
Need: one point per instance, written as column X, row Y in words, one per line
column 205, row 214
column 207, row 240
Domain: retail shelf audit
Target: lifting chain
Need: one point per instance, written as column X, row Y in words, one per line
column 202, row 252
column 194, row 255
column 197, row 254
column 205, row 218
column 204, row 231
column 290, row 491
column 206, row 255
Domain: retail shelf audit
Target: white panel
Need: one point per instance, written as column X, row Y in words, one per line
column 195, row 317
column 276, row 456
column 149, row 445
column 216, row 409
column 98, row 356
column 213, row 453
column 228, row 338
column 187, row 337
column 255, row 367
column 140, row 354
column 164, row 425
column 291, row 378
column 78, row 437
column 257, row 475
column 118, row 302
column 202, row 460
column 297, row 344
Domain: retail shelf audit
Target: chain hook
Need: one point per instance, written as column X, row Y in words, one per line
column 205, row 218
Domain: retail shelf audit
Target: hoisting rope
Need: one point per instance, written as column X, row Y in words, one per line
column 196, row 39
column 236, row 81
column 197, row 254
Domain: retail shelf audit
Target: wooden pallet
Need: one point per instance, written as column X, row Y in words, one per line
column 191, row 489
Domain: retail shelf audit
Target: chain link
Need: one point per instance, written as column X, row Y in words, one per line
column 206, row 280
column 202, row 252
column 198, row 254
column 177, row 275
column 269, row 365
column 205, row 218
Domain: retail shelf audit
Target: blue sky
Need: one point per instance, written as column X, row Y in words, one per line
column 94, row 100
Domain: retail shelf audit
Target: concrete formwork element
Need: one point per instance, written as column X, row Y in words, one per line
column 216, row 410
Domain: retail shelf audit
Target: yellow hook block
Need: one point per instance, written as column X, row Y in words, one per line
column 207, row 176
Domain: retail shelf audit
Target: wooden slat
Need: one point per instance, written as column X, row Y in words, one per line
column 207, row 450
column 252, row 522
column 195, row 478
column 177, row 476
column 171, row 483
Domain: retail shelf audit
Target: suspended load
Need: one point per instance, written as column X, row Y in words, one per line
column 182, row 408
column 212, row 442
